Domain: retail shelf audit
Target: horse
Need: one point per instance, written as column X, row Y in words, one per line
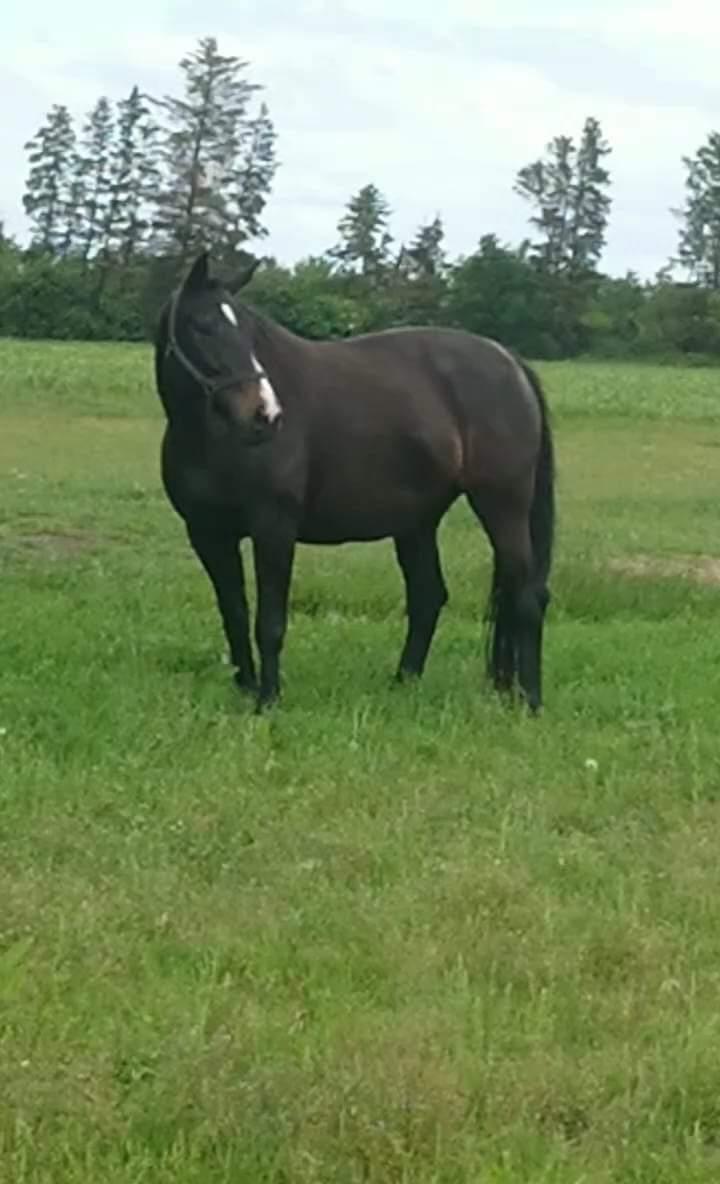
column 286, row 441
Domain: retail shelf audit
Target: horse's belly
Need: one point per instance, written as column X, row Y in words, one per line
column 373, row 514
column 382, row 489
column 325, row 530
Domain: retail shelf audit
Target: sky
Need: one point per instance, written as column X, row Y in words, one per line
column 437, row 103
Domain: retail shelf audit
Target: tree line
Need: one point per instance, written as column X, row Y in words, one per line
column 118, row 206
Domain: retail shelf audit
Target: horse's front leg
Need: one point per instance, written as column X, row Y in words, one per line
column 274, row 551
column 220, row 555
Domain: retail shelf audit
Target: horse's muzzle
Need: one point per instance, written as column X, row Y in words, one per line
column 260, row 429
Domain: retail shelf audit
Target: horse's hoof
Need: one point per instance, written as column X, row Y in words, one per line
column 532, row 705
column 404, row 678
column 266, row 703
column 246, row 686
column 505, row 693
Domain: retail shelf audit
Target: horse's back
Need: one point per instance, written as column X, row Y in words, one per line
column 439, row 383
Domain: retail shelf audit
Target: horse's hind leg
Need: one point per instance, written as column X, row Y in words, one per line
column 518, row 599
column 426, row 594
column 502, row 656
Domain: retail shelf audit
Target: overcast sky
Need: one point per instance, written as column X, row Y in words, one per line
column 438, row 103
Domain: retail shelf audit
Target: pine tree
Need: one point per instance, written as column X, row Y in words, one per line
column 364, row 237
column 547, row 185
column 248, row 189
column 218, row 163
column 136, row 175
column 73, row 216
column 590, row 202
column 425, row 255
column 133, row 178
column 568, row 190
column 51, row 187
column 94, row 161
column 699, row 245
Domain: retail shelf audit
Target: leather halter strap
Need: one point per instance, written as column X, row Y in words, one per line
column 208, row 384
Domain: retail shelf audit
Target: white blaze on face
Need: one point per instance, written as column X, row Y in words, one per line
column 229, row 313
column 270, row 401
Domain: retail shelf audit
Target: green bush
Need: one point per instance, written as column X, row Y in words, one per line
column 497, row 292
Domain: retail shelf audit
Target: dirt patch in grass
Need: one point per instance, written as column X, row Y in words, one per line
column 703, row 569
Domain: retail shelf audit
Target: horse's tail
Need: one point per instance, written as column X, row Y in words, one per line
column 542, row 509
column 542, row 518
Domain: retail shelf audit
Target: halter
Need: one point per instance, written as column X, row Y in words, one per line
column 210, row 386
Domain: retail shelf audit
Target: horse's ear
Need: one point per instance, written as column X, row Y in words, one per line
column 242, row 278
column 199, row 274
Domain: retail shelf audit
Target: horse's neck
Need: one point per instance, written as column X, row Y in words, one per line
column 277, row 348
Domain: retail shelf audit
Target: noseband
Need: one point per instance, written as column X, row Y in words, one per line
column 211, row 386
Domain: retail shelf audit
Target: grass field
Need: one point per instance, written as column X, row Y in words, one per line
column 380, row 935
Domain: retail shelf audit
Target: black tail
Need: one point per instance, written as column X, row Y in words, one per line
column 542, row 510
column 542, row 522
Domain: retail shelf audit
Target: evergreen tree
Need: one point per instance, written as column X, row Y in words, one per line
column 136, row 176
column 699, row 246
column 132, row 182
column 51, row 185
column 94, row 163
column 425, row 256
column 247, row 196
column 590, row 204
column 72, row 226
column 218, row 163
column 546, row 185
column 568, row 189
column 364, row 237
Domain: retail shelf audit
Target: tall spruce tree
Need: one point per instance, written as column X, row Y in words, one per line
column 425, row 256
column 568, row 190
column 135, row 179
column 52, row 186
column 591, row 202
column 217, row 161
column 247, row 194
column 364, row 237
column 72, row 226
column 94, row 156
column 699, row 244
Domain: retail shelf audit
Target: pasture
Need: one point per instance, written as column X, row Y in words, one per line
column 383, row 934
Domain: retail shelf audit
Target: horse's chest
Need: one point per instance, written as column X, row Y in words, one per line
column 201, row 484
column 196, row 485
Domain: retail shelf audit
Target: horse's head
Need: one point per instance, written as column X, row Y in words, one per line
column 212, row 340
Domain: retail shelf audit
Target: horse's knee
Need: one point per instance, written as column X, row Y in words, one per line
column 430, row 597
column 270, row 635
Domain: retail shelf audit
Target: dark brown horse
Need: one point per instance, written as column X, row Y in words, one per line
column 289, row 441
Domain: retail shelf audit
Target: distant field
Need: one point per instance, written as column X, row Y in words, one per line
column 108, row 379
column 379, row 936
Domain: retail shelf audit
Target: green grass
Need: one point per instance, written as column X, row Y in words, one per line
column 380, row 935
